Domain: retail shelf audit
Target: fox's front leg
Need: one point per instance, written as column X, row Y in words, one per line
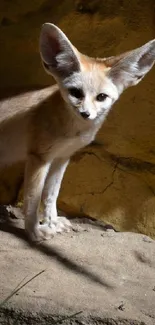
column 52, row 223
column 35, row 175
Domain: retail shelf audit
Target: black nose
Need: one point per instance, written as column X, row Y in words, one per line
column 85, row 114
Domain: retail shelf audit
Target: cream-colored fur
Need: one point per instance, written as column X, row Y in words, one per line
column 46, row 127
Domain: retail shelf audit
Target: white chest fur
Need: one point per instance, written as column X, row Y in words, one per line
column 68, row 146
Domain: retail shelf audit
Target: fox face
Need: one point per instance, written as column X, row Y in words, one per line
column 90, row 86
column 90, row 93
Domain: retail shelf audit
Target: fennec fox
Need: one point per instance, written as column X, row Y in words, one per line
column 45, row 128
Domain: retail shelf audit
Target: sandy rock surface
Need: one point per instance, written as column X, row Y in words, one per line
column 107, row 276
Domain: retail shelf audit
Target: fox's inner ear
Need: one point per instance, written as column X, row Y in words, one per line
column 57, row 53
column 130, row 68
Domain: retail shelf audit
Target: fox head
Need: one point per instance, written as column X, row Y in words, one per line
column 90, row 86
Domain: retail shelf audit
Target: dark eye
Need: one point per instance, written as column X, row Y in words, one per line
column 76, row 92
column 101, row 97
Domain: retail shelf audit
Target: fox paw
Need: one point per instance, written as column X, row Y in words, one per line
column 46, row 231
column 59, row 225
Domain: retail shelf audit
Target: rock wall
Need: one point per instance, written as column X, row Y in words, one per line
column 114, row 178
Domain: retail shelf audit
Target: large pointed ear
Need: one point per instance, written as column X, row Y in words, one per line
column 57, row 53
column 130, row 68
